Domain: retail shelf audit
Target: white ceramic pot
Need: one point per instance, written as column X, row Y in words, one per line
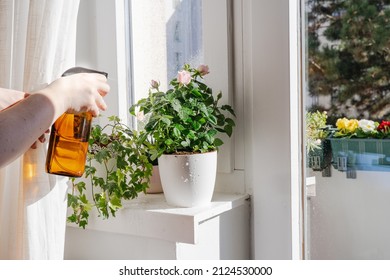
column 188, row 180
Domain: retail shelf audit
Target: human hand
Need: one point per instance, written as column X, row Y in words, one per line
column 81, row 92
column 41, row 139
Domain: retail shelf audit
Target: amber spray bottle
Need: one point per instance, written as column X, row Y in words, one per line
column 68, row 144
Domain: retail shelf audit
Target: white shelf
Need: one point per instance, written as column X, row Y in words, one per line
column 150, row 216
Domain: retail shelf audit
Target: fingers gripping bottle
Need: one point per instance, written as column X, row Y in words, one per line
column 68, row 144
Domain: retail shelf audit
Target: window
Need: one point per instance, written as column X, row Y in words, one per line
column 141, row 40
column 164, row 35
column 347, row 65
column 348, row 57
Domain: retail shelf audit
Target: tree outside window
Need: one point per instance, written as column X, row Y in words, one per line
column 349, row 57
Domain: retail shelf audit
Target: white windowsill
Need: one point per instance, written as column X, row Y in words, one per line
column 150, row 216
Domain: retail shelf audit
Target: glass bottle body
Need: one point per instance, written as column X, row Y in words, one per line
column 68, row 145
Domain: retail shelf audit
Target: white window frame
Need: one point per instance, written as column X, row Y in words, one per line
column 273, row 129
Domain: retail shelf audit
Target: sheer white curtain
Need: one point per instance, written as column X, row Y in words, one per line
column 37, row 44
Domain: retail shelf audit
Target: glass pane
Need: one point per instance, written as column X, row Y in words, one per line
column 165, row 35
column 347, row 97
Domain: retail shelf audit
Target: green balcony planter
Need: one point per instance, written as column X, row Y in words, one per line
column 360, row 154
column 319, row 159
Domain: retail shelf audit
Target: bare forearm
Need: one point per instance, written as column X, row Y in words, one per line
column 23, row 123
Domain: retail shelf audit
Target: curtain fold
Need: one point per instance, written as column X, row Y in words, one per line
column 37, row 44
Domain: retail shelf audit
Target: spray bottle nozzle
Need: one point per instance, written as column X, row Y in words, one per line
column 76, row 70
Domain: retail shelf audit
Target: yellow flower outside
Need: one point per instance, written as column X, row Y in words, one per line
column 347, row 126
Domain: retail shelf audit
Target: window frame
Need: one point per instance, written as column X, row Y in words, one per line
column 218, row 54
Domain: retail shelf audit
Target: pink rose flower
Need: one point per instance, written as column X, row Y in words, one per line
column 184, row 77
column 140, row 116
column 203, row 69
column 154, row 84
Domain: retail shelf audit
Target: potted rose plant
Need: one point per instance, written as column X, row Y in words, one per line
column 184, row 123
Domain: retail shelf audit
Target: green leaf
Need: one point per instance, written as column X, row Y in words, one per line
column 121, row 162
column 196, row 125
column 185, row 143
column 84, row 199
column 102, row 156
column 132, row 109
column 114, row 119
column 230, row 121
column 212, row 132
column 72, row 200
column 213, row 120
column 196, row 93
column 98, row 181
column 228, row 130
column 166, row 120
column 89, row 170
column 183, row 115
column 220, row 120
column 176, row 105
column 80, row 186
column 209, row 139
column 96, row 131
column 202, row 120
column 153, row 154
column 72, row 218
column 83, row 223
column 176, row 132
column 218, row 142
column 191, row 135
column 229, row 109
column 104, row 139
column 189, row 111
column 115, row 203
column 151, row 124
column 179, row 127
column 203, row 108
